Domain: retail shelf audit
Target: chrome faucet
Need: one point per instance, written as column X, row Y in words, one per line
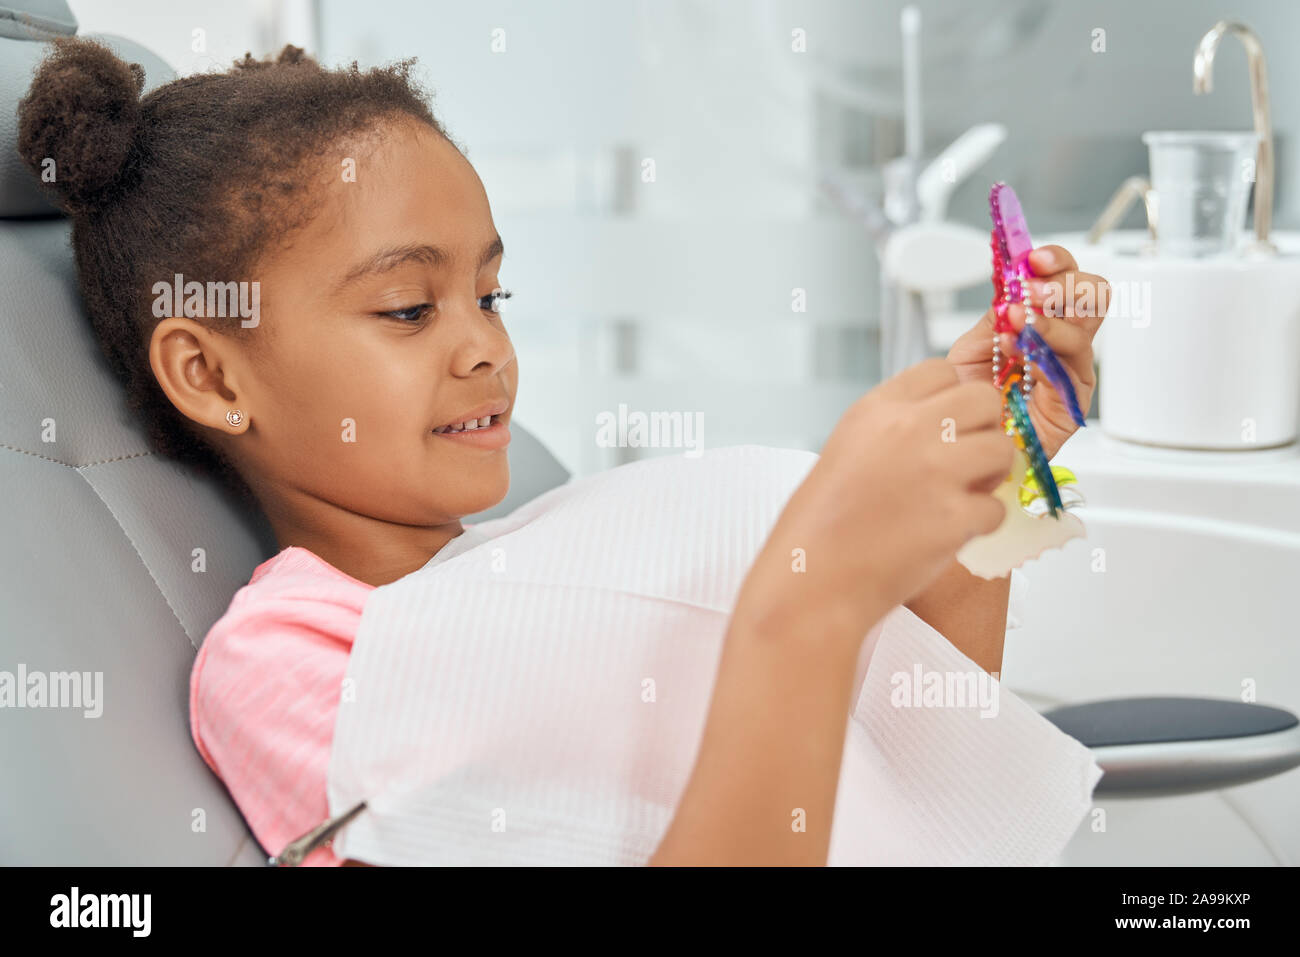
column 1132, row 189
column 1203, row 81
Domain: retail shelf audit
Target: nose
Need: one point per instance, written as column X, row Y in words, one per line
column 476, row 341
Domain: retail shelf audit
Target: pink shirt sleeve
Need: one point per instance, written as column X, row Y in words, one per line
column 264, row 693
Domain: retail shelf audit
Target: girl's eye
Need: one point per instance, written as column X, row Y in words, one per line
column 494, row 298
column 413, row 314
column 410, row 314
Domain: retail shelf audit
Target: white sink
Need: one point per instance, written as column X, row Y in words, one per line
column 1187, row 584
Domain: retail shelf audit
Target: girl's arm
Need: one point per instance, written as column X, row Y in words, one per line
column 971, row 612
column 763, row 788
column 884, row 510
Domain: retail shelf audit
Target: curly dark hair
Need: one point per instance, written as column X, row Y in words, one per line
column 198, row 177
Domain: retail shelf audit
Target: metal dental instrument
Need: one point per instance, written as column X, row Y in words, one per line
column 295, row 852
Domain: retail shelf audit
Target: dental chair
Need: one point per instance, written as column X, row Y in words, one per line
column 96, row 558
column 97, row 539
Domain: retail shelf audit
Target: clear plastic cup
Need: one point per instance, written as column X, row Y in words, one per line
column 1201, row 182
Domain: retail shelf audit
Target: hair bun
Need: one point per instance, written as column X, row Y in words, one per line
column 83, row 112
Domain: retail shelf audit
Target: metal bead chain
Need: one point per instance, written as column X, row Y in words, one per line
column 1027, row 383
column 997, row 350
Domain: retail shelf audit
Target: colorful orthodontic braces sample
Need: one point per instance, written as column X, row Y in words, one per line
column 1012, row 373
column 1036, row 518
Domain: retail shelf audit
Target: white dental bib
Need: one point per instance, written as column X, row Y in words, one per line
column 537, row 693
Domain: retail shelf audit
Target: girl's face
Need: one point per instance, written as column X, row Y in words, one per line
column 378, row 327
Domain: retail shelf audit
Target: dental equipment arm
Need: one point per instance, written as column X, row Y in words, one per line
column 935, row 185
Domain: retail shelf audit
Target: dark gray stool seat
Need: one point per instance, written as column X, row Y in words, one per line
column 1160, row 746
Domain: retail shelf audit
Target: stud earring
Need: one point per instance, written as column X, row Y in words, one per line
column 234, row 417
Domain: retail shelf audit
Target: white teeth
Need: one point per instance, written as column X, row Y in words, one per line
column 468, row 426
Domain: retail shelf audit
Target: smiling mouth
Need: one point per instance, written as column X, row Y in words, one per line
column 471, row 425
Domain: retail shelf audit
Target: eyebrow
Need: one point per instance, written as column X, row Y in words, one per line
column 429, row 255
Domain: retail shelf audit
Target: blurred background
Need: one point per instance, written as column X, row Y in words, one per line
column 724, row 279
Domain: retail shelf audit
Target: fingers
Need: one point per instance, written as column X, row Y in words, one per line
column 1065, row 338
column 964, row 409
column 1079, row 295
column 982, row 461
column 987, row 484
column 1072, row 344
column 918, row 381
column 976, row 343
column 986, row 514
column 1046, row 260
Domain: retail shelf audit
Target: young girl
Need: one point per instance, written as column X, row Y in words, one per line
column 364, row 404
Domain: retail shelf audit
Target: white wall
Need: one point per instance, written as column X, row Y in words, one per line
column 198, row 35
column 692, row 275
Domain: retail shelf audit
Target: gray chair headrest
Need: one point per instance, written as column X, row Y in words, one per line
column 44, row 17
column 25, row 31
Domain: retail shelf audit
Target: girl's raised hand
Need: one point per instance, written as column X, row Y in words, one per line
column 902, row 483
column 1072, row 304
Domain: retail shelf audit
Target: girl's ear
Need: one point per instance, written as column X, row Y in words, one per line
column 196, row 369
